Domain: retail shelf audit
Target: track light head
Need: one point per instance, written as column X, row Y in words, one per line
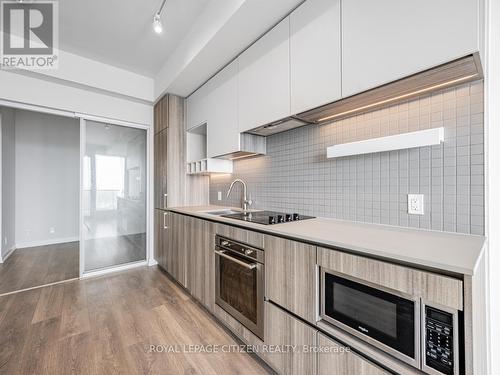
column 157, row 26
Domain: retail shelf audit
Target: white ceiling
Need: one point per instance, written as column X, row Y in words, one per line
column 199, row 38
column 119, row 32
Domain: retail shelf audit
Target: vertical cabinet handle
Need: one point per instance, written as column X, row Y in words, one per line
column 165, row 226
column 165, row 200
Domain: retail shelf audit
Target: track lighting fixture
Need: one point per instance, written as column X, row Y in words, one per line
column 157, row 25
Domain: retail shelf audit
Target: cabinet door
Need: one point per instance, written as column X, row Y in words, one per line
column 159, row 248
column 161, row 115
column 264, row 79
column 198, row 106
column 284, row 330
column 162, row 237
column 335, row 360
column 200, row 261
column 209, row 284
column 388, row 39
column 315, row 54
column 176, row 253
column 161, row 148
column 223, row 136
column 176, row 153
column 291, row 276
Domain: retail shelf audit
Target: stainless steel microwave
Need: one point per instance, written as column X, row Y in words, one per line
column 420, row 334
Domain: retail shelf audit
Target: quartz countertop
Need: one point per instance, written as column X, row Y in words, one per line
column 445, row 251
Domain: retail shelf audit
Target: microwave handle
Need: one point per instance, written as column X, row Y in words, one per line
column 241, row 263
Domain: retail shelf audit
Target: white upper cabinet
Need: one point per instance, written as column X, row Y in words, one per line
column 315, row 54
column 198, row 106
column 385, row 40
column 264, row 79
column 222, row 130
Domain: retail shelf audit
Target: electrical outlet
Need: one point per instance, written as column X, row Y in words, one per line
column 219, row 195
column 52, row 230
column 415, row 204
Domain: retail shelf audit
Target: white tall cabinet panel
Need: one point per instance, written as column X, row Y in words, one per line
column 315, row 54
column 264, row 79
column 222, row 130
column 385, row 40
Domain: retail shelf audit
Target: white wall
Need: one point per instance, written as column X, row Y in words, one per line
column 91, row 73
column 47, row 178
column 8, row 182
column 67, row 96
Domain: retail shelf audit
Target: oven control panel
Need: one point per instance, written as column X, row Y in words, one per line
column 439, row 341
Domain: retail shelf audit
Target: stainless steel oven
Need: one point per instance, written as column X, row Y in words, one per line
column 421, row 334
column 239, row 272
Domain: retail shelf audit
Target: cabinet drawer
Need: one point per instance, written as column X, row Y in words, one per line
column 284, row 330
column 335, row 360
column 291, row 276
column 242, row 235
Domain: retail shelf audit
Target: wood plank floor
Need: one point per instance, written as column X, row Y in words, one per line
column 113, row 251
column 35, row 266
column 107, row 326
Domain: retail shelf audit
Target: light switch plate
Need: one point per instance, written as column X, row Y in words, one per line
column 219, row 195
column 415, row 204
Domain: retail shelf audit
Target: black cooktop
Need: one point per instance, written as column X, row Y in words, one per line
column 268, row 217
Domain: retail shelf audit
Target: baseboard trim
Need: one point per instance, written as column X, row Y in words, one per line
column 51, row 241
column 152, row 262
column 4, row 257
column 114, row 269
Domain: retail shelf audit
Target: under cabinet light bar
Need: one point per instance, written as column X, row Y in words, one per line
column 400, row 97
column 421, row 138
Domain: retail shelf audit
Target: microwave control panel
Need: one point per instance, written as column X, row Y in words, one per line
column 439, row 350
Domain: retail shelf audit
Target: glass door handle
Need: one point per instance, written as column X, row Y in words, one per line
column 223, row 254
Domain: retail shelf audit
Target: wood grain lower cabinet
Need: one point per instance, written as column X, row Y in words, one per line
column 158, row 250
column 175, row 254
column 334, row 360
column 295, row 337
column 291, row 276
column 162, row 237
column 200, row 261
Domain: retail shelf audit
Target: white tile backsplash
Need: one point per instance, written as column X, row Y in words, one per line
column 295, row 175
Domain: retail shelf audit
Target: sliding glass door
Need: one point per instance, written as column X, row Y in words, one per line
column 114, row 195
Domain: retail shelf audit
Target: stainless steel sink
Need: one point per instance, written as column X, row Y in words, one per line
column 222, row 212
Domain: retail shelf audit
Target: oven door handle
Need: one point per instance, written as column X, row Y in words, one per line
column 223, row 254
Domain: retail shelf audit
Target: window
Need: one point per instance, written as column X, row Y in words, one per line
column 110, row 181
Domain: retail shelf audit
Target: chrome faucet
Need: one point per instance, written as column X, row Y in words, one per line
column 246, row 201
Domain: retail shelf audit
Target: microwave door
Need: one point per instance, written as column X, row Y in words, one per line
column 386, row 320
